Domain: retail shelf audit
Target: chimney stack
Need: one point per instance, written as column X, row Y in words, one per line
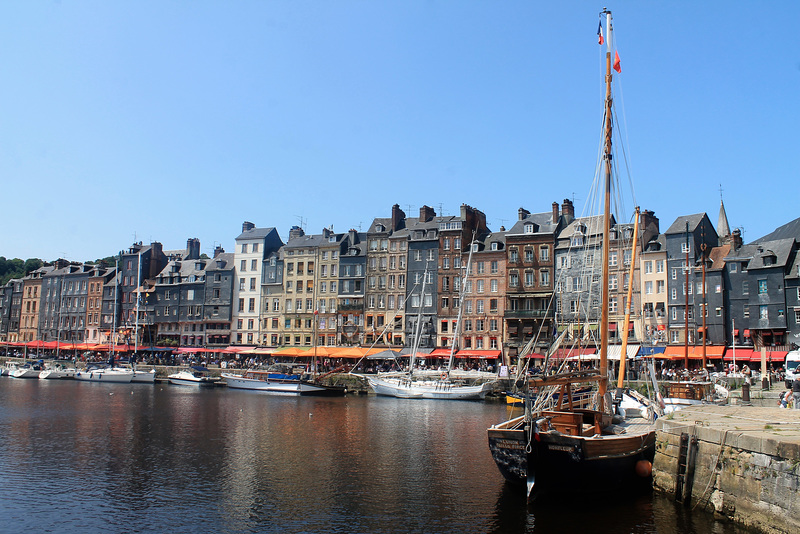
column 568, row 210
column 218, row 250
column 296, row 231
column 247, row 226
column 522, row 213
column 426, row 214
column 192, row 248
column 398, row 218
column 555, row 212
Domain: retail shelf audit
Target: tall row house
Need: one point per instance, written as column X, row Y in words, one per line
column 579, row 256
column 621, row 244
column 457, row 235
column 386, row 265
column 352, row 287
column 218, row 300
column 138, row 266
column 758, row 298
column 484, row 305
column 252, row 246
column 531, row 276
column 301, row 255
column 31, row 296
column 688, row 242
column 421, row 308
column 6, row 295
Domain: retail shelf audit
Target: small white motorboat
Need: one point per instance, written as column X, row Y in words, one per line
column 198, row 376
column 57, row 371
column 26, row 371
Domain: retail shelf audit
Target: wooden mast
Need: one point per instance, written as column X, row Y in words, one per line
column 602, row 386
column 624, row 349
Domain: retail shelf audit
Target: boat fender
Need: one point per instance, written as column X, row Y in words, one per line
column 444, row 376
column 644, row 468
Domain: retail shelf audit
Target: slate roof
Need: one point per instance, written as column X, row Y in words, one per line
column 788, row 230
column 781, row 249
column 679, row 226
column 256, row 233
column 543, row 222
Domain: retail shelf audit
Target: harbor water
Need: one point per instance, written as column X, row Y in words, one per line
column 93, row 457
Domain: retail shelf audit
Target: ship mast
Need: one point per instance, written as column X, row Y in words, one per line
column 602, row 385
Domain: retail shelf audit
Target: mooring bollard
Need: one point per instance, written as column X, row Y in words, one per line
column 746, row 392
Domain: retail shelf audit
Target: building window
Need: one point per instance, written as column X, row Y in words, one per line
column 762, row 286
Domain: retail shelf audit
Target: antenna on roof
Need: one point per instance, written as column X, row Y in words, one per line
column 303, row 221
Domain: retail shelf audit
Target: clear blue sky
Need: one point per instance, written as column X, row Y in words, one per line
column 164, row 120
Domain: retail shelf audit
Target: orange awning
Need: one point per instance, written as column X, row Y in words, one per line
column 677, row 352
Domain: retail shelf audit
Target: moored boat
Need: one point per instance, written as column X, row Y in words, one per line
column 278, row 384
column 557, row 446
column 198, row 376
column 26, row 371
column 105, row 374
column 57, row 371
column 144, row 377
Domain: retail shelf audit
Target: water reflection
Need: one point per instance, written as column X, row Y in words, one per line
column 82, row 456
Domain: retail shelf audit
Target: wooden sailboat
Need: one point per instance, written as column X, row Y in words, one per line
column 556, row 447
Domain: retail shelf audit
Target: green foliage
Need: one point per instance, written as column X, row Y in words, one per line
column 108, row 261
column 17, row 268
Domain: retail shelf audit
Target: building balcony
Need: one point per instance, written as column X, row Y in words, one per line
column 351, row 307
column 528, row 314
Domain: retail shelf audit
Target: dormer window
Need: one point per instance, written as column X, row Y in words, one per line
column 528, row 228
column 380, row 228
column 495, row 246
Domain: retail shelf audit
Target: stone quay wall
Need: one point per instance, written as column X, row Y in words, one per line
column 740, row 462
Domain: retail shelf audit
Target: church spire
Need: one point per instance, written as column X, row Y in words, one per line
column 723, row 229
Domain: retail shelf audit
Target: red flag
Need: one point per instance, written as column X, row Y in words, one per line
column 600, row 33
column 616, row 62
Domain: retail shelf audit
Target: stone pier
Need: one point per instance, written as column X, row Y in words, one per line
column 741, row 462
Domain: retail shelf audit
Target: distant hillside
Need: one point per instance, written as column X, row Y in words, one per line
column 17, row 268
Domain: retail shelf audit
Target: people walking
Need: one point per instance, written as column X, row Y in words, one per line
column 796, row 393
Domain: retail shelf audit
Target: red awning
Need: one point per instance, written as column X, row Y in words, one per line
column 662, row 327
column 746, row 332
column 736, row 332
column 560, row 354
column 772, row 356
column 474, row 353
column 742, row 355
column 701, row 329
column 612, row 327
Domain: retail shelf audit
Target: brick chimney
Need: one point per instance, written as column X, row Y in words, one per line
column 568, row 210
column 247, row 226
column 218, row 250
column 192, row 248
column 398, row 218
column 555, row 212
column 522, row 213
column 426, row 214
column 296, row 231
column 736, row 239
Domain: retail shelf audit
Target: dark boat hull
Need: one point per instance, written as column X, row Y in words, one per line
column 323, row 391
column 560, row 463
